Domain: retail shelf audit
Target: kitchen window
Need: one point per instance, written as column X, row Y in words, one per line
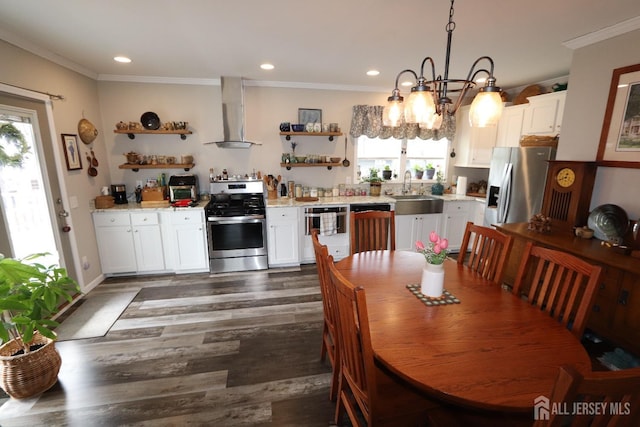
column 399, row 154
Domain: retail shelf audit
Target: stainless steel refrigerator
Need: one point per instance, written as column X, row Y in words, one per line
column 515, row 188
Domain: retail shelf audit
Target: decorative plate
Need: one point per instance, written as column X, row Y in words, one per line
column 150, row 121
column 609, row 222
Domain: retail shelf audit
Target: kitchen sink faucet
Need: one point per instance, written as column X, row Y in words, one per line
column 404, row 182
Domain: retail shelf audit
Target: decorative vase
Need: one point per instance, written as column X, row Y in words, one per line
column 437, row 189
column 432, row 283
column 374, row 188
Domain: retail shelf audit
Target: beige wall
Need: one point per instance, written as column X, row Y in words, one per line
column 587, row 95
column 23, row 69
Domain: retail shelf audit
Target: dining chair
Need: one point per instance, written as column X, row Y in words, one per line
column 372, row 230
column 489, row 251
column 617, row 392
column 366, row 393
column 330, row 346
column 558, row 283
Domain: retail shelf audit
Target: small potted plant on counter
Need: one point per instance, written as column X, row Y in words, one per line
column 431, row 170
column 419, row 171
column 375, row 182
column 386, row 173
column 29, row 294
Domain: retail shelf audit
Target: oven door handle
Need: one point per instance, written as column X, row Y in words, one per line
column 236, row 221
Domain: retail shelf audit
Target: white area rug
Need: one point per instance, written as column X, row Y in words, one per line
column 95, row 316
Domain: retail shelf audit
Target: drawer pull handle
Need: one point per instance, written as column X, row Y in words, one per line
column 624, row 296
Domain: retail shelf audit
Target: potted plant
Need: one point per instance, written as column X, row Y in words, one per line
column 375, row 182
column 419, row 171
column 438, row 188
column 386, row 173
column 431, row 170
column 29, row 294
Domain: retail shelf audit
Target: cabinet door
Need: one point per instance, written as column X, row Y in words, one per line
column 188, row 241
column 544, row 115
column 406, row 232
column 148, row 245
column 115, row 242
column 473, row 145
column 456, row 215
column 510, row 126
column 282, row 236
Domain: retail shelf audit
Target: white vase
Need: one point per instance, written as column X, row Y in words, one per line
column 432, row 283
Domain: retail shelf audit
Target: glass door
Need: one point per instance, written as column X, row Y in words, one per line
column 27, row 226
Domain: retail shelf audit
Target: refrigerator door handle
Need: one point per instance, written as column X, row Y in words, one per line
column 505, row 193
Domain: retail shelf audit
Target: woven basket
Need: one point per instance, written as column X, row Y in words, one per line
column 29, row 374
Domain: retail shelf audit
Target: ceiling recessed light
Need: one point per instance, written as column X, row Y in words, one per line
column 373, row 73
column 122, row 59
column 267, row 66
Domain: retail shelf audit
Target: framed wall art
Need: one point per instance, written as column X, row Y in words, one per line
column 620, row 136
column 71, row 151
column 309, row 115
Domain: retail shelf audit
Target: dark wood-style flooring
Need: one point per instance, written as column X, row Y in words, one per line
column 240, row 349
column 199, row 350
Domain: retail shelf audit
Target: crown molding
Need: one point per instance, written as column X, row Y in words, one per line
column 604, row 34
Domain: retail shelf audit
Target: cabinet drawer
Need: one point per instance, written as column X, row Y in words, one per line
column 111, row 219
column 144, row 218
column 282, row 215
column 451, row 207
column 187, row 217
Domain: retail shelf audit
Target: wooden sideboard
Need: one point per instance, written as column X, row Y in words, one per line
column 615, row 314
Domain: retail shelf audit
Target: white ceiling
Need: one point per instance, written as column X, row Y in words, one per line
column 329, row 42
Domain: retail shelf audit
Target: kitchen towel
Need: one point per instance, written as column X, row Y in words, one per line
column 461, row 185
column 327, row 223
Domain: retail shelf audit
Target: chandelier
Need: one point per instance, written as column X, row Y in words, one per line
column 429, row 101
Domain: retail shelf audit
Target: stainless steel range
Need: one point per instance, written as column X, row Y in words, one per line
column 236, row 226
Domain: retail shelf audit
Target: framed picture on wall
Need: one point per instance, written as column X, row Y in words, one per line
column 309, row 115
column 620, row 136
column 71, row 151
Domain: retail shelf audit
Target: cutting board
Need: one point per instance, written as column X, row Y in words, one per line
column 155, row 203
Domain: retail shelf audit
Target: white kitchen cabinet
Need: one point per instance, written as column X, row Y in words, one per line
column 411, row 228
column 283, row 237
column 455, row 217
column 479, row 207
column 129, row 242
column 474, row 145
column 510, row 126
column 186, row 245
column 544, row 114
column 147, row 241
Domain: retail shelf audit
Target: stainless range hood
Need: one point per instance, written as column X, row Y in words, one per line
column 232, row 91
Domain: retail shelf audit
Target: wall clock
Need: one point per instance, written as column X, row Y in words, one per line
column 567, row 193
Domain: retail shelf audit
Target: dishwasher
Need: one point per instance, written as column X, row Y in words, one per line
column 361, row 207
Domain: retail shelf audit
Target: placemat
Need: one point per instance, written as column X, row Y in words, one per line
column 446, row 298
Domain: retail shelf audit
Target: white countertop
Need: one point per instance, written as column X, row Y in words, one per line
column 343, row 200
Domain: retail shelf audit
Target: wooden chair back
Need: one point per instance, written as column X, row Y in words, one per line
column 559, row 283
column 357, row 380
column 489, row 251
column 618, row 392
column 372, row 230
column 330, row 345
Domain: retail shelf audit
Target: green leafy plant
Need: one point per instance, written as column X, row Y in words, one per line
column 418, row 167
column 373, row 175
column 430, row 166
column 387, row 167
column 439, row 177
column 29, row 294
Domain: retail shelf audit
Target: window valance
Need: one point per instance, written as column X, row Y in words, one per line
column 367, row 120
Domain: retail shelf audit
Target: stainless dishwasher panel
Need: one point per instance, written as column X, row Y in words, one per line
column 312, row 218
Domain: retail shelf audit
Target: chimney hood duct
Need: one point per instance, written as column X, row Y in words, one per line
column 232, row 91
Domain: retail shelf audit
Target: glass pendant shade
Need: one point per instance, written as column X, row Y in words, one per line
column 392, row 115
column 420, row 108
column 486, row 109
column 434, row 123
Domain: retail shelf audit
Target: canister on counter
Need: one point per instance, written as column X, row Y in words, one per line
column 298, row 190
column 292, row 189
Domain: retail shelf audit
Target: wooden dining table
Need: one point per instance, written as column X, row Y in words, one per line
column 490, row 351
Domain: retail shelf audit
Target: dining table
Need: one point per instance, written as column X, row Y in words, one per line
column 480, row 347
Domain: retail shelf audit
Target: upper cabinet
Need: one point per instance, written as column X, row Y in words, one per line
column 544, row 114
column 510, row 126
column 473, row 145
